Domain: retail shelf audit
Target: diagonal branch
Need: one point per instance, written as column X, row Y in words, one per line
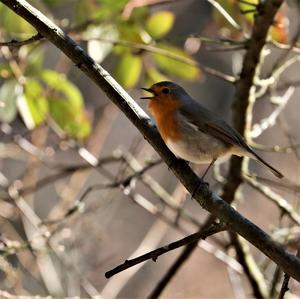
column 207, row 199
column 164, row 249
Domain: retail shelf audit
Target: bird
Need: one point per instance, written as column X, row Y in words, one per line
column 191, row 131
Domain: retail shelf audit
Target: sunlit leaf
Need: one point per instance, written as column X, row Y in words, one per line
column 160, row 23
column 66, row 105
column 245, row 9
column 8, row 101
column 128, row 70
column 100, row 41
column 174, row 67
column 63, row 88
column 36, row 101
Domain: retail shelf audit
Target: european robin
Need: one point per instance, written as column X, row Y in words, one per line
column 191, row 131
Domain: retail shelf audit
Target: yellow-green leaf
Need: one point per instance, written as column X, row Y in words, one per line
column 66, row 89
column 36, row 102
column 128, row 70
column 160, row 23
column 175, row 62
column 66, row 105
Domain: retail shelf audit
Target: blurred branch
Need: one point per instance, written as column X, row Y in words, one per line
column 167, row 53
column 275, row 148
column 270, row 121
column 131, row 5
column 254, row 275
column 158, row 190
column 284, row 287
column 16, row 44
column 207, row 199
column 148, row 48
column 7, row 295
column 225, row 14
column 278, row 200
column 123, row 184
column 162, row 250
column 64, row 172
column 291, row 47
column 151, row 240
column 285, row 284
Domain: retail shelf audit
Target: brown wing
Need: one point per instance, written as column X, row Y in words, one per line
column 206, row 122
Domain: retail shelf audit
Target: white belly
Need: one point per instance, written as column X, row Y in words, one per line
column 198, row 156
column 181, row 151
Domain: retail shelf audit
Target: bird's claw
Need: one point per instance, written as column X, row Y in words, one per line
column 201, row 184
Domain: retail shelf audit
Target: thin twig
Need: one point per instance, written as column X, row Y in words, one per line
column 252, row 271
column 162, row 250
column 225, row 14
column 284, row 286
column 17, row 44
column 278, row 200
column 123, row 183
column 270, row 120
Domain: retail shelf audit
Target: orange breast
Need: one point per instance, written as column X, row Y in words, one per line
column 164, row 114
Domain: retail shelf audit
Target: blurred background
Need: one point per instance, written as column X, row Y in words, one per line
column 82, row 191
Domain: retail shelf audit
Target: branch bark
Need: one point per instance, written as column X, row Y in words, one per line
column 207, row 199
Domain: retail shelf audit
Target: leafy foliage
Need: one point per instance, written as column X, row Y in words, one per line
column 46, row 95
column 244, row 14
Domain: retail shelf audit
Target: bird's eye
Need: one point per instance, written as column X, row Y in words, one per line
column 165, row 90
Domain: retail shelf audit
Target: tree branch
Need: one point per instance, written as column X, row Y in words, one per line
column 208, row 200
column 162, row 250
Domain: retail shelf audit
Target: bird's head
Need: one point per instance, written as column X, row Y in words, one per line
column 165, row 91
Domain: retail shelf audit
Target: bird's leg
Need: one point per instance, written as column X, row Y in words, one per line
column 203, row 176
column 207, row 169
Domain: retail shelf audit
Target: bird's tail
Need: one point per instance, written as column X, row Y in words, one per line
column 274, row 171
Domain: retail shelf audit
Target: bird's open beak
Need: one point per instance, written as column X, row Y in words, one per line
column 148, row 90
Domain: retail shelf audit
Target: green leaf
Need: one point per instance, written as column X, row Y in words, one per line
column 8, row 100
column 169, row 63
column 13, row 25
column 64, row 89
column 66, row 105
column 160, row 23
column 36, row 102
column 128, row 70
column 246, row 7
